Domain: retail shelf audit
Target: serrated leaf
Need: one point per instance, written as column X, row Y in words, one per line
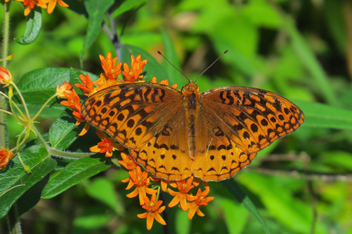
column 14, row 181
column 33, row 26
column 169, row 52
column 63, row 131
column 324, row 116
column 152, row 68
column 96, row 11
column 73, row 174
column 126, row 6
column 242, row 198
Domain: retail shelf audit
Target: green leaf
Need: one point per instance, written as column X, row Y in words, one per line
column 108, row 197
column 169, row 52
column 39, row 85
column 63, row 131
column 14, row 181
column 73, row 174
column 235, row 215
column 152, row 68
column 126, row 6
column 308, row 59
column 324, row 116
column 34, row 24
column 90, row 219
column 96, row 11
column 77, row 6
column 31, row 197
column 281, row 203
column 341, row 160
column 237, row 192
column 183, row 224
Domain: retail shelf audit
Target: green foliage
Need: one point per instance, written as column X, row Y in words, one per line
column 298, row 49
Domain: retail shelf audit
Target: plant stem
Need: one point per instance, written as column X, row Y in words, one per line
column 22, row 99
column 59, row 153
column 41, row 109
column 68, row 155
column 6, row 32
column 5, row 46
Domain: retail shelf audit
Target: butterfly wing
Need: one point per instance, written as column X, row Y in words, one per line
column 147, row 118
column 238, row 122
column 132, row 113
column 166, row 155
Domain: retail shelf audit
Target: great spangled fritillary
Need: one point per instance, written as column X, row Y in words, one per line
column 175, row 134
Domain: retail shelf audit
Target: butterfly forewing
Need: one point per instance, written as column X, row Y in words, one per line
column 132, row 113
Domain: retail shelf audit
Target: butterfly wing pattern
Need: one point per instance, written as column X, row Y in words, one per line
column 148, row 119
column 239, row 121
column 213, row 139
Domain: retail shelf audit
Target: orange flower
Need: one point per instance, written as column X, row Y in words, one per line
column 86, row 86
column 52, row 4
column 106, row 146
column 201, row 200
column 5, row 76
column 182, row 196
column 29, row 5
column 62, row 89
column 5, row 156
column 136, row 69
column 78, row 116
column 85, row 129
column 153, row 209
column 108, row 65
column 141, row 181
column 73, row 100
column 104, row 82
column 127, row 161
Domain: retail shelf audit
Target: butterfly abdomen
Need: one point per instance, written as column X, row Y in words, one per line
column 191, row 105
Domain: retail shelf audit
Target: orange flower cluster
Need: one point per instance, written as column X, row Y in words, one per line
column 140, row 180
column 5, row 156
column 106, row 79
column 72, row 100
column 46, row 4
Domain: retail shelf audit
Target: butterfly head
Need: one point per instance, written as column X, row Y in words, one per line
column 191, row 87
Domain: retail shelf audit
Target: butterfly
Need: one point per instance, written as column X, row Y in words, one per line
column 175, row 134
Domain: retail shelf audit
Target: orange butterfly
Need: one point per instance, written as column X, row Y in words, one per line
column 174, row 134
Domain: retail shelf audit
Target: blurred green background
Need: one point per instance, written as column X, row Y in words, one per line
column 300, row 49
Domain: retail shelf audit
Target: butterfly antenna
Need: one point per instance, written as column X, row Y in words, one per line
column 173, row 66
column 206, row 69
